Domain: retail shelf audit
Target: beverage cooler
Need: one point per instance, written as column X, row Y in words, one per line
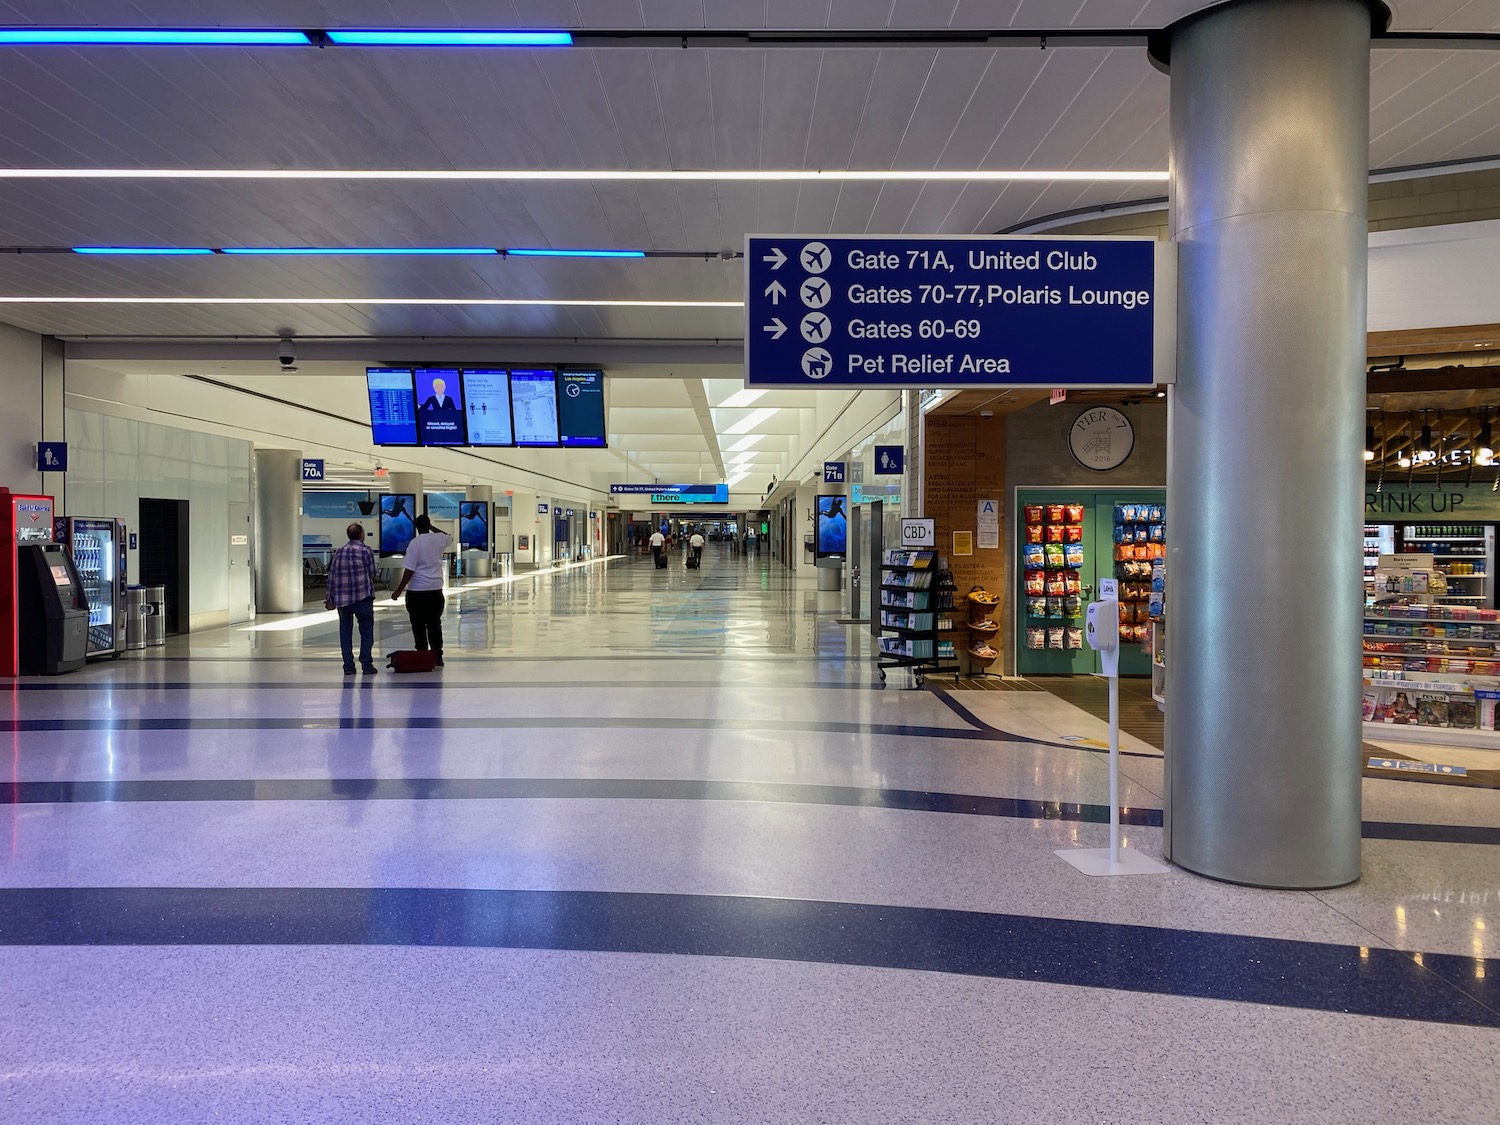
column 98, row 549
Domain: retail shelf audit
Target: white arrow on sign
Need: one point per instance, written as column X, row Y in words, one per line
column 775, row 291
column 775, row 257
column 776, row 328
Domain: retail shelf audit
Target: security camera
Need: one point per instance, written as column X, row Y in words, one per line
column 287, row 353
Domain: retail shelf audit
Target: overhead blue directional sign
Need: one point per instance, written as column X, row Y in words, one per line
column 833, row 472
column 954, row 312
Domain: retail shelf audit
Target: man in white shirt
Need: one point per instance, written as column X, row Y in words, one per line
column 424, row 576
column 658, row 545
column 696, row 543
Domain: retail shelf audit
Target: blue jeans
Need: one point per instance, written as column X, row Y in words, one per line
column 365, row 611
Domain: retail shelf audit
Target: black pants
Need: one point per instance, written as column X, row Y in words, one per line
column 425, row 608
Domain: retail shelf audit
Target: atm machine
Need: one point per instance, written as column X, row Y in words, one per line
column 54, row 611
column 98, row 549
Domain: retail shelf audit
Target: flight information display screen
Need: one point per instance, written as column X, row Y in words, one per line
column 440, row 407
column 580, row 408
column 393, row 406
column 533, row 396
column 487, row 404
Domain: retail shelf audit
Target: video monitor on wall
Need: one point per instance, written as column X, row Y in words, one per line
column 393, row 406
column 833, row 527
column 398, row 515
column 580, row 409
column 533, row 397
column 440, row 406
column 474, row 525
column 487, row 404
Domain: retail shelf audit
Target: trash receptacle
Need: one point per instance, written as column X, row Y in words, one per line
column 135, row 617
column 156, row 615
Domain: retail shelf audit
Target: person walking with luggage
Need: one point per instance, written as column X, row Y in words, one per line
column 351, row 591
column 659, row 549
column 695, row 545
column 423, row 573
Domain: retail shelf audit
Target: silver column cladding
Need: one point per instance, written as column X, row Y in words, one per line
column 1270, row 145
column 278, row 530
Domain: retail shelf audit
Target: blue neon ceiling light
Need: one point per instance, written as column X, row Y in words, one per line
column 545, row 253
column 172, row 251
column 336, row 250
column 150, row 37
column 349, row 38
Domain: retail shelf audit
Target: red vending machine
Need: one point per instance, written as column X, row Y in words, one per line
column 23, row 519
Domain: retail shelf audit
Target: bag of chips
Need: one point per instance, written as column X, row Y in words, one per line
column 1054, row 533
column 1073, row 606
column 1056, row 585
column 1073, row 533
column 1073, row 513
column 1074, row 639
column 1036, row 639
column 1123, row 534
column 1054, row 513
column 1158, row 533
column 1157, row 513
column 1056, row 556
column 1142, row 533
column 1055, row 638
column 1034, row 513
column 1055, row 608
column 1036, row 582
column 1073, row 556
column 1033, row 554
column 1072, row 583
column 1034, row 532
column 1036, row 607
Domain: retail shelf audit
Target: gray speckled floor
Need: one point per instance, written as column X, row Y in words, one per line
column 737, row 673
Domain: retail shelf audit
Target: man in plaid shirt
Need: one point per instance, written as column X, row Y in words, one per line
column 351, row 591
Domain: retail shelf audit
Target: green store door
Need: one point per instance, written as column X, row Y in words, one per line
column 1098, row 562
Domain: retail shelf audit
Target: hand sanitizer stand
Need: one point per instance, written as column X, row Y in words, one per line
column 1103, row 632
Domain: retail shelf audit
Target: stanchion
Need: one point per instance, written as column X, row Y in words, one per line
column 1103, row 632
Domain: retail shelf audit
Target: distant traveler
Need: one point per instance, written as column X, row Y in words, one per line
column 424, row 574
column 351, row 591
column 696, row 543
column 658, row 545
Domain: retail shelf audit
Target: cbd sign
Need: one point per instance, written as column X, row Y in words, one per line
column 919, row 533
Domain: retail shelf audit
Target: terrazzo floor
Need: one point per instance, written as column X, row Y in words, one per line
column 660, row 847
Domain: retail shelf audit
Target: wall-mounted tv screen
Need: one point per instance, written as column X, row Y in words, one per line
column 487, row 404
column 533, row 396
column 440, row 406
column 474, row 525
column 393, row 406
column 833, row 527
column 398, row 514
column 580, row 408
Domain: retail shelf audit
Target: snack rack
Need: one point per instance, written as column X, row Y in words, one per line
column 1053, row 558
column 1140, row 542
column 912, row 590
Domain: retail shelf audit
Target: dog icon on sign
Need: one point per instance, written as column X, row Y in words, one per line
column 816, row 363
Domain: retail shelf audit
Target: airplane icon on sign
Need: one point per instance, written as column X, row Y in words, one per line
column 815, row 292
column 815, row 257
column 815, row 327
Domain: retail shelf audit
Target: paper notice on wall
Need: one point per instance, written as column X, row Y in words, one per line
column 963, row 542
column 989, row 525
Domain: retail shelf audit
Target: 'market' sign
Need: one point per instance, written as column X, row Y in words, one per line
column 955, row 312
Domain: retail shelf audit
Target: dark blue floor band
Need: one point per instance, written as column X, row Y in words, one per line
column 638, row 789
column 1142, row 959
column 420, row 684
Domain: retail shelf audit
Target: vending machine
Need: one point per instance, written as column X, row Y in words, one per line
column 23, row 519
column 97, row 545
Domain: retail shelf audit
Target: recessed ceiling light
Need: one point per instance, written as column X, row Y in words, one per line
column 742, row 399
column 150, row 37
column 370, row 250
column 152, row 250
column 751, row 420
column 545, row 175
column 748, row 442
column 442, row 38
column 546, row 253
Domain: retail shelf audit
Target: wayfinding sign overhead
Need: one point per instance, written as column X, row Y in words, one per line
column 896, row 311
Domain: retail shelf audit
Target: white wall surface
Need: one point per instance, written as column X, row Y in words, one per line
column 1435, row 277
column 23, row 357
column 114, row 462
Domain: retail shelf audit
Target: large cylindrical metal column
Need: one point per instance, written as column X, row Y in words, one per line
column 278, row 530
column 1270, row 116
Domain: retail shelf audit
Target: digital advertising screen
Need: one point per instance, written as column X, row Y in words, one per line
column 440, row 406
column 398, row 514
column 393, row 406
column 580, row 408
column 533, row 397
column 833, row 527
column 487, row 404
column 474, row 525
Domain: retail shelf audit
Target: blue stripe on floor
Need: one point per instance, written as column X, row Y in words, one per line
column 637, row 789
column 1142, row 959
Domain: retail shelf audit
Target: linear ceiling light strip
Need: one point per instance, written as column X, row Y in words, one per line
column 273, row 37
column 435, row 301
column 587, row 175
